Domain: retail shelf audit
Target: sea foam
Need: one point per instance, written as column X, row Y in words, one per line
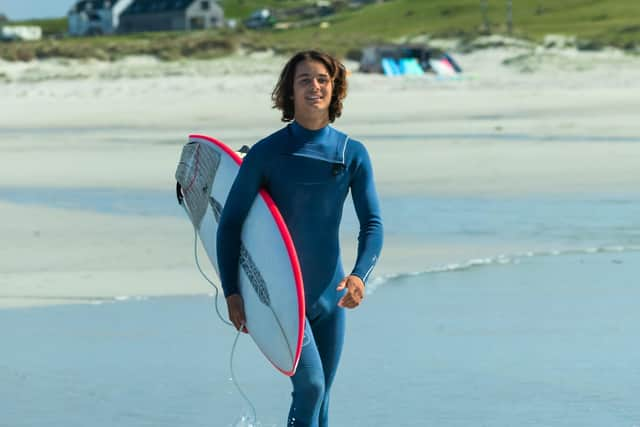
column 502, row 259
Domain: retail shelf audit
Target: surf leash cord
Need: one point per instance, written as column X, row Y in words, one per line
column 222, row 319
column 195, row 255
column 233, row 376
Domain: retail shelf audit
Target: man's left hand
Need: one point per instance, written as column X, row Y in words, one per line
column 355, row 291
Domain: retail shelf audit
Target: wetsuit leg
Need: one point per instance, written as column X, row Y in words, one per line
column 329, row 336
column 322, row 347
column 308, row 384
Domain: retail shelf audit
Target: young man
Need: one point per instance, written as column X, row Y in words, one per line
column 308, row 167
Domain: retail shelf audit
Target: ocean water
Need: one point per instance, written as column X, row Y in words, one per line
column 535, row 338
column 562, row 220
column 544, row 341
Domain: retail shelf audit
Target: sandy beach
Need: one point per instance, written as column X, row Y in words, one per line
column 557, row 122
column 505, row 295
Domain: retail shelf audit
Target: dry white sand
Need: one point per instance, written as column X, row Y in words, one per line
column 567, row 124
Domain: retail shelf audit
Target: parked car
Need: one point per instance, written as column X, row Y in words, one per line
column 262, row 18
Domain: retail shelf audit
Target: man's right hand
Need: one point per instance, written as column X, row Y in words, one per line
column 235, row 306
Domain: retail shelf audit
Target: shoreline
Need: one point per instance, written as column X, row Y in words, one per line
column 35, row 300
column 71, row 256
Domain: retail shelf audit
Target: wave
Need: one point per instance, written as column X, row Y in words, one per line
column 77, row 299
column 497, row 260
column 375, row 283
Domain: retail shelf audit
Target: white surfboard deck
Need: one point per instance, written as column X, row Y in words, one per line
column 270, row 280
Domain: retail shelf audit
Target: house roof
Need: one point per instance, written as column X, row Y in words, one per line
column 93, row 4
column 158, row 6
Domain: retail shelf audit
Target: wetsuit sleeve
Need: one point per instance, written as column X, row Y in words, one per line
column 365, row 201
column 241, row 196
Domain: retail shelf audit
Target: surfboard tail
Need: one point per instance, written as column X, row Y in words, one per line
column 195, row 174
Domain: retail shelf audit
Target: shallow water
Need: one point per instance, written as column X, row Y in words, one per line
column 543, row 337
column 102, row 200
column 498, row 135
column 550, row 340
column 566, row 221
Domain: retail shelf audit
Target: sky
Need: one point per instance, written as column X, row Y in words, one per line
column 28, row 9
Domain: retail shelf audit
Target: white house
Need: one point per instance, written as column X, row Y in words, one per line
column 20, row 32
column 92, row 17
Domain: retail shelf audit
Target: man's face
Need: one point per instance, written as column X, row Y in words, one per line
column 312, row 89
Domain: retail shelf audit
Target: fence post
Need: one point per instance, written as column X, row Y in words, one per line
column 484, row 11
column 509, row 16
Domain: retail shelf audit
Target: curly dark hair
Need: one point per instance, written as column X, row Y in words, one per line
column 282, row 95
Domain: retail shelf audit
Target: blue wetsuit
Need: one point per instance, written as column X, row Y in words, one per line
column 309, row 174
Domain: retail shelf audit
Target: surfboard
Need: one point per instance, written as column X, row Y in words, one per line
column 390, row 67
column 270, row 279
column 442, row 67
column 411, row 67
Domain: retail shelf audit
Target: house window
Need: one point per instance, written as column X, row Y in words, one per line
column 204, row 5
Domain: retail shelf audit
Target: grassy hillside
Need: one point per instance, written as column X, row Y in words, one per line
column 611, row 22
column 240, row 9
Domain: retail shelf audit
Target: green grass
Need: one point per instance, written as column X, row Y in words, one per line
column 164, row 45
column 241, row 9
column 611, row 22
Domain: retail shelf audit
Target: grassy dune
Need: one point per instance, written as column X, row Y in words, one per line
column 596, row 22
column 613, row 22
